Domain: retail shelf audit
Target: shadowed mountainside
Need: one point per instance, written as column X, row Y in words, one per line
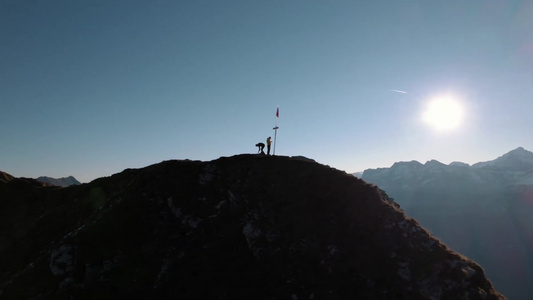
column 4, row 177
column 248, row 226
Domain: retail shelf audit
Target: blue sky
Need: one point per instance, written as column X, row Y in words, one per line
column 89, row 88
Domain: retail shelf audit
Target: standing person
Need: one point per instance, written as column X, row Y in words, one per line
column 269, row 142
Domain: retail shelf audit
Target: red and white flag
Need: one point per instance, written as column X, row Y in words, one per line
column 277, row 112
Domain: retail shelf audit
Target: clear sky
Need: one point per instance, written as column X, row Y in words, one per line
column 89, row 88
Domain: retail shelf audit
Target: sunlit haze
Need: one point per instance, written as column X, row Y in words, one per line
column 444, row 113
column 90, row 88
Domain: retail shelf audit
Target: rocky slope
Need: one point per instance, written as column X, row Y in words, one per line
column 245, row 227
column 482, row 211
column 4, row 177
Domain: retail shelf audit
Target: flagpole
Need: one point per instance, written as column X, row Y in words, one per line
column 276, row 130
column 275, row 133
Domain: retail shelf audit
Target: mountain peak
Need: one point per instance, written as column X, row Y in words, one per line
column 519, row 152
column 518, row 159
column 63, row 181
column 434, row 162
column 406, row 164
column 458, row 164
column 252, row 227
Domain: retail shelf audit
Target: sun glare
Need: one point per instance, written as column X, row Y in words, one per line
column 444, row 113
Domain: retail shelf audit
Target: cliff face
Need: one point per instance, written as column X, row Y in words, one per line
column 248, row 226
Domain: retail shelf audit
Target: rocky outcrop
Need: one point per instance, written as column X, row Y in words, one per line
column 4, row 177
column 244, row 227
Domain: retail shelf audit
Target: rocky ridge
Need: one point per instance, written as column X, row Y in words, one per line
column 63, row 181
column 248, row 226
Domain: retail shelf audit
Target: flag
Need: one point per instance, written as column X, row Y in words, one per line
column 277, row 112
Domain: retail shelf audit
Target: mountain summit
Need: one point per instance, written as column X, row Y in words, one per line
column 63, row 181
column 518, row 159
column 243, row 227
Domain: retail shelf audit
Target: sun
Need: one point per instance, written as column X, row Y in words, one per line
column 444, row 113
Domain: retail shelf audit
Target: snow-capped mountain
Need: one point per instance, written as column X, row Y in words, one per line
column 516, row 166
column 63, row 181
column 518, row 159
column 482, row 210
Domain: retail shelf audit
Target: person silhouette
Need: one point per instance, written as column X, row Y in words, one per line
column 269, row 142
column 261, row 146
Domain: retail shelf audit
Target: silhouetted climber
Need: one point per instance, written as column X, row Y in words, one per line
column 269, row 142
column 261, row 146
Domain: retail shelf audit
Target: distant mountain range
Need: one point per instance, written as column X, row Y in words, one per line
column 484, row 211
column 64, row 181
column 242, row 227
